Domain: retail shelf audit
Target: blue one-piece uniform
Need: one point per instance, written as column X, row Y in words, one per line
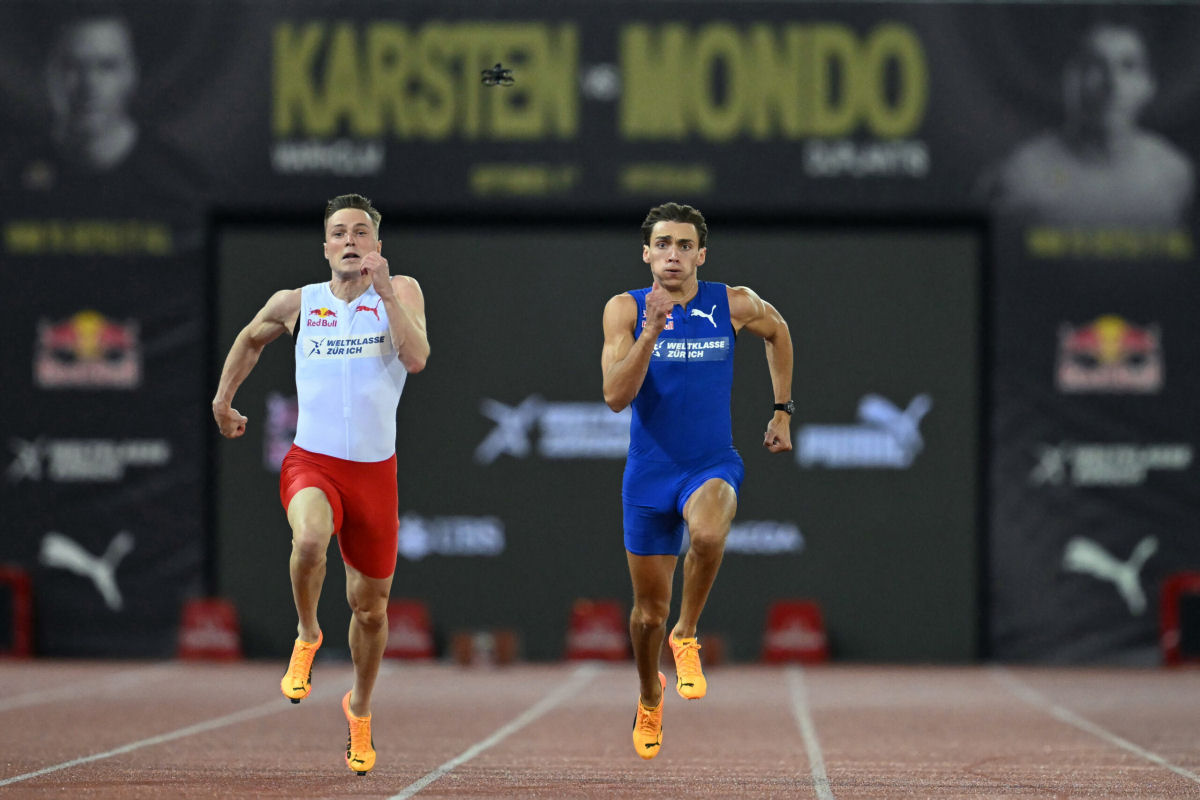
column 681, row 433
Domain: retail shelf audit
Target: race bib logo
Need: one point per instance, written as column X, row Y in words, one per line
column 681, row 350
column 347, row 346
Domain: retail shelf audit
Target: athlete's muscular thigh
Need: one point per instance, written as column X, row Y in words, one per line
column 709, row 512
column 311, row 517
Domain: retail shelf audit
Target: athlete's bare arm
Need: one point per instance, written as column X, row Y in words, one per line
column 624, row 359
column 750, row 312
column 273, row 320
column 405, row 305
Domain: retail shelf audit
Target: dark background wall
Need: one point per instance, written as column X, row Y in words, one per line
column 897, row 177
column 514, row 318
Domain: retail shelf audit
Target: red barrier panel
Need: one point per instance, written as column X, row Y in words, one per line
column 1179, row 590
column 210, row 630
column 598, row 629
column 410, row 630
column 15, row 580
column 795, row 632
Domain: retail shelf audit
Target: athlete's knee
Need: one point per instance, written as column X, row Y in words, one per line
column 368, row 606
column 708, row 541
column 650, row 614
column 308, row 547
column 371, row 617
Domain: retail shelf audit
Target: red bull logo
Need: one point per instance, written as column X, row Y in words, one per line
column 88, row 350
column 325, row 318
column 670, row 326
column 1109, row 354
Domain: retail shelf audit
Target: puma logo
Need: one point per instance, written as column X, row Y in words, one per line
column 373, row 309
column 65, row 553
column 1089, row 558
column 709, row 316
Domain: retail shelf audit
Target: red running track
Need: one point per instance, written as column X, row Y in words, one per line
column 195, row 730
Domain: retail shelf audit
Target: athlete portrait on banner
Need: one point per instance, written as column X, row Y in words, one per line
column 91, row 77
column 1099, row 166
column 92, row 135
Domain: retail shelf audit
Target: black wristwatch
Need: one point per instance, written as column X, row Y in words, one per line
column 789, row 407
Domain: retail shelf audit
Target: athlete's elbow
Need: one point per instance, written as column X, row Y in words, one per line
column 414, row 362
column 615, row 401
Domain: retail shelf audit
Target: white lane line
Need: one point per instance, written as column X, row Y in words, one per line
column 88, row 686
column 579, row 676
column 809, row 731
column 1039, row 701
column 274, row 707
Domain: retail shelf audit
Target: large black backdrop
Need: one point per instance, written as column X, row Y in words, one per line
column 890, row 552
column 796, row 111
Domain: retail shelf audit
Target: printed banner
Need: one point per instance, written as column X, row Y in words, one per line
column 1095, row 498
column 101, row 241
column 741, row 107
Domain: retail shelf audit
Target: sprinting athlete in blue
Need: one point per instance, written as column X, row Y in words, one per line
column 668, row 352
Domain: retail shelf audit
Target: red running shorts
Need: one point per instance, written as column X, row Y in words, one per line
column 364, row 500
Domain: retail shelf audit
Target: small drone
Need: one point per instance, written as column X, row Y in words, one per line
column 497, row 76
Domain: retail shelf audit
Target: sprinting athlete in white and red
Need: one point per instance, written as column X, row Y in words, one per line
column 357, row 338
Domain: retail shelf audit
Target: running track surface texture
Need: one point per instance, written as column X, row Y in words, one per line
column 187, row 729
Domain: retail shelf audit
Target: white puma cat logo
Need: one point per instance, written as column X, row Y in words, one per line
column 709, row 316
column 1088, row 557
column 63, row 552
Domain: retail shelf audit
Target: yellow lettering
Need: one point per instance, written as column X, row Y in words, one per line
column 21, row 237
column 559, row 77
column 433, row 106
column 834, row 67
column 773, row 87
column 896, row 44
column 389, row 65
column 1131, row 244
column 297, row 108
column 652, row 100
column 347, row 94
column 383, row 78
column 656, row 178
column 718, row 81
column 523, row 179
column 718, row 50
column 92, row 237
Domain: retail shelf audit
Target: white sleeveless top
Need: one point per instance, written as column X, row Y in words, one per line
column 348, row 377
